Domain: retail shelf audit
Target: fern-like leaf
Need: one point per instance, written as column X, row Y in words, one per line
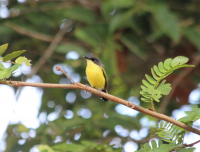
column 160, row 148
column 152, row 89
column 191, row 115
column 169, row 132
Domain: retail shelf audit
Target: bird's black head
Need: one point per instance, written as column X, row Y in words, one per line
column 95, row 60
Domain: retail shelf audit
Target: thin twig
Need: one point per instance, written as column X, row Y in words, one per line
column 152, row 104
column 59, row 69
column 192, row 144
column 175, row 83
column 107, row 96
column 7, row 62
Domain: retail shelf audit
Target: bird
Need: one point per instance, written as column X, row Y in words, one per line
column 96, row 74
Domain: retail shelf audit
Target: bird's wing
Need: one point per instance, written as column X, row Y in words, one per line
column 105, row 76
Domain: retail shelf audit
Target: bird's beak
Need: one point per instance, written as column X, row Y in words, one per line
column 86, row 57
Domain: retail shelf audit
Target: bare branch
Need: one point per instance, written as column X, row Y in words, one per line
column 59, row 69
column 107, row 96
column 192, row 144
column 31, row 33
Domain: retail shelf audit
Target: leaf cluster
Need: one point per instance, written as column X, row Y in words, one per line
column 7, row 72
column 85, row 146
column 161, row 147
column 152, row 89
column 192, row 115
column 172, row 134
column 169, row 133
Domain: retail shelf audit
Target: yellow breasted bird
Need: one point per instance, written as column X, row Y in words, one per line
column 96, row 74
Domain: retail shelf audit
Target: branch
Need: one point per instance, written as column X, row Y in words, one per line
column 49, row 51
column 175, row 83
column 107, row 96
column 31, row 33
column 24, row 31
column 192, row 144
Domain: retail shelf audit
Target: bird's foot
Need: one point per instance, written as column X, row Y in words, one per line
column 99, row 91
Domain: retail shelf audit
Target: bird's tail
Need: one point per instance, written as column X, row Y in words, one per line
column 104, row 99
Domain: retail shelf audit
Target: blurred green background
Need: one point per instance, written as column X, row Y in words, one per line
column 128, row 36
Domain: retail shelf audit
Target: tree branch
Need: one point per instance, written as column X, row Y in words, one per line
column 192, row 144
column 31, row 33
column 107, row 96
column 49, row 51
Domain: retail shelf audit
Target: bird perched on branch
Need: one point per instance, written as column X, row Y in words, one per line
column 96, row 74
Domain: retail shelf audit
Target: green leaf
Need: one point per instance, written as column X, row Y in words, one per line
column 167, row 63
column 147, row 147
column 164, row 89
column 21, row 128
column 154, row 75
column 166, row 21
column 164, row 148
column 150, row 79
column 6, row 73
column 117, row 22
column 20, row 60
column 45, row 148
column 10, row 70
column 193, row 36
column 80, row 14
column 13, row 55
column 160, row 142
column 3, row 48
column 132, row 46
column 65, row 48
column 161, row 84
column 156, row 97
column 191, row 115
column 157, row 71
column 179, row 60
column 161, row 67
column 88, row 35
column 1, row 66
column 145, row 100
column 88, row 143
column 109, row 6
column 68, row 147
column 144, row 88
column 153, row 143
column 119, row 19
column 166, row 140
column 147, row 96
column 2, row 74
column 147, row 84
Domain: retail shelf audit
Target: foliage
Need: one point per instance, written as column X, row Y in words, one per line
column 192, row 115
column 162, row 147
column 172, row 134
column 152, row 90
column 169, row 132
column 7, row 72
column 85, row 146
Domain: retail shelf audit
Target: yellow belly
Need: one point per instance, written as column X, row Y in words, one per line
column 95, row 76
